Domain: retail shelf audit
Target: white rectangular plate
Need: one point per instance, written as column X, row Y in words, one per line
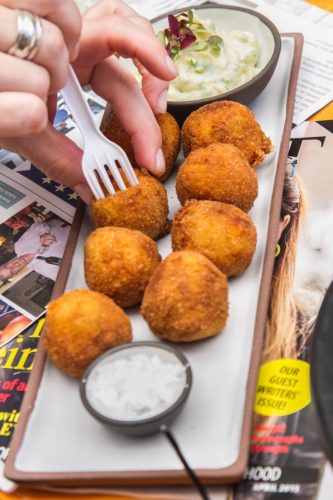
column 63, row 442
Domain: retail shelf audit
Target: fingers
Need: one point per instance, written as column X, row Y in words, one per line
column 120, row 88
column 21, row 114
column 62, row 13
column 52, row 53
column 22, row 100
column 107, row 8
column 23, row 76
column 117, row 34
column 53, row 56
column 154, row 90
column 55, row 155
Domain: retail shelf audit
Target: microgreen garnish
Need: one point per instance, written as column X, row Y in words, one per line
column 178, row 36
column 215, row 41
column 183, row 31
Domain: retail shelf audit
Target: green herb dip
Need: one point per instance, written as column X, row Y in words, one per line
column 208, row 69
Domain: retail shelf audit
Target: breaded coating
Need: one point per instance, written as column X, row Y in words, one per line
column 113, row 130
column 186, row 298
column 80, row 325
column 221, row 232
column 143, row 207
column 119, row 263
column 228, row 122
column 217, row 172
column 170, row 142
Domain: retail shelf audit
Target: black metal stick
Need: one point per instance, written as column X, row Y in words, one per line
column 195, row 480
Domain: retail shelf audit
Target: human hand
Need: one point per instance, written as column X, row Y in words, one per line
column 26, row 85
column 15, row 265
column 110, row 28
column 47, row 239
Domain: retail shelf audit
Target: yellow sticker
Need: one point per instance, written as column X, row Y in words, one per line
column 283, row 387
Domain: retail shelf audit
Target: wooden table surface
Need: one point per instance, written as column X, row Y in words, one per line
column 25, row 494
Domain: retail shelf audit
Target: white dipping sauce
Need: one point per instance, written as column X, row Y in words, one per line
column 207, row 72
column 136, row 383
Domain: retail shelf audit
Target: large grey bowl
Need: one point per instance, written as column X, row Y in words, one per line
column 227, row 17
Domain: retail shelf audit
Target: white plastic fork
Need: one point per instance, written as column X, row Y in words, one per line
column 100, row 156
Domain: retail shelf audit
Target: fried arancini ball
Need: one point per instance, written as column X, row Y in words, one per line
column 217, row 172
column 143, row 207
column 113, row 130
column 221, row 232
column 119, row 263
column 80, row 325
column 186, row 298
column 228, row 122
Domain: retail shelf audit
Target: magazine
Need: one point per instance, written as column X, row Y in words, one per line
column 287, row 459
column 16, row 363
column 35, row 220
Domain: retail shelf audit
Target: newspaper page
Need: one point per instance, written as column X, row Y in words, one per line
column 305, row 10
column 286, row 458
column 35, row 220
column 315, row 82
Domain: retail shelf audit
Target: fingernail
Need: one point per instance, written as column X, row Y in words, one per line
column 171, row 66
column 160, row 162
column 84, row 192
column 163, row 102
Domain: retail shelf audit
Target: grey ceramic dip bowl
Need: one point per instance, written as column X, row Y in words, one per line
column 227, row 18
column 138, row 425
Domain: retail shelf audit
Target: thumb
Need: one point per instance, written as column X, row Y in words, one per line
column 56, row 155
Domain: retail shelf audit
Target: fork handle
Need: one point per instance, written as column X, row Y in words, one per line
column 78, row 106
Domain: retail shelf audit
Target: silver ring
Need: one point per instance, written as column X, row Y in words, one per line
column 29, row 36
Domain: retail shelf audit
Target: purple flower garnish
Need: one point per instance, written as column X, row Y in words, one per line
column 188, row 38
column 179, row 36
column 174, row 25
